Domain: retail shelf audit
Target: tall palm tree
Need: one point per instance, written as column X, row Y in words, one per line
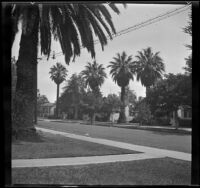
column 94, row 75
column 72, row 24
column 58, row 73
column 122, row 71
column 149, row 67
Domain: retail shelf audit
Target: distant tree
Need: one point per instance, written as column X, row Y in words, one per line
column 149, row 67
column 91, row 104
column 130, row 96
column 111, row 103
column 73, row 94
column 168, row 94
column 94, row 75
column 41, row 99
column 144, row 113
column 58, row 74
column 122, row 70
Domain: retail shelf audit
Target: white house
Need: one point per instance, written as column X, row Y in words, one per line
column 47, row 109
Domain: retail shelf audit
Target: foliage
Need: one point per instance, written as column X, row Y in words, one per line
column 94, row 75
column 122, row 69
column 58, row 73
column 169, row 93
column 111, row 103
column 72, row 95
column 41, row 99
column 149, row 67
column 144, row 114
column 71, row 23
column 91, row 104
column 188, row 67
column 188, row 30
column 185, row 122
column 130, row 96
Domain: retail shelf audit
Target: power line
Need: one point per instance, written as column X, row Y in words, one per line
column 137, row 26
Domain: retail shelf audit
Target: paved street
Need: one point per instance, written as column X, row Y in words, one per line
column 162, row 140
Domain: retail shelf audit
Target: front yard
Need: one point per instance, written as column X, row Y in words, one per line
column 165, row 171
column 52, row 146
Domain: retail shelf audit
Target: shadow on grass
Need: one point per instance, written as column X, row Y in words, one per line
column 29, row 137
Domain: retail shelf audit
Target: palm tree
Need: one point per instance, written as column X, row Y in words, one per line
column 149, row 67
column 58, row 73
column 94, row 75
column 122, row 70
column 72, row 24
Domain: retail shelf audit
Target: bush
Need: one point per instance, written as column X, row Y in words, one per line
column 52, row 117
column 161, row 121
column 134, row 120
column 185, row 122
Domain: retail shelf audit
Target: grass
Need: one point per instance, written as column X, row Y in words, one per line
column 163, row 171
column 132, row 126
column 52, row 146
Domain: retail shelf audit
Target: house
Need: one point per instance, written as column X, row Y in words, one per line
column 47, row 109
column 185, row 112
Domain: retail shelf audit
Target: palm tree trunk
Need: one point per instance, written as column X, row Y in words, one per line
column 57, row 103
column 147, row 90
column 24, row 98
column 122, row 116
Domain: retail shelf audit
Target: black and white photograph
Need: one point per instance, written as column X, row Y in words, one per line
column 101, row 93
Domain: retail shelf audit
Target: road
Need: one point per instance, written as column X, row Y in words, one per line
column 162, row 140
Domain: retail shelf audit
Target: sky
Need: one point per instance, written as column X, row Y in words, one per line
column 165, row 36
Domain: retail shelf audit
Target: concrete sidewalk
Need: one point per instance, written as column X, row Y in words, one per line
column 147, row 153
column 144, row 149
column 23, row 163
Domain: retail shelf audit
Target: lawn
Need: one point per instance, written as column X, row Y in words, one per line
column 52, row 146
column 163, row 171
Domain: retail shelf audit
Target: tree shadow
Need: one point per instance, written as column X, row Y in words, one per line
column 35, row 137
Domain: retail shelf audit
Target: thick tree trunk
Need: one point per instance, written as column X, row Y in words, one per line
column 57, row 103
column 122, row 116
column 24, row 99
column 35, row 88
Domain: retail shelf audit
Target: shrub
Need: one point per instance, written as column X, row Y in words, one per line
column 185, row 122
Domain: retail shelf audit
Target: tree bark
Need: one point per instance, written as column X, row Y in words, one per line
column 35, row 88
column 147, row 90
column 122, row 116
column 24, row 99
column 57, row 103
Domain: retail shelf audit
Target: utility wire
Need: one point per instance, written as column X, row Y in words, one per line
column 136, row 26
